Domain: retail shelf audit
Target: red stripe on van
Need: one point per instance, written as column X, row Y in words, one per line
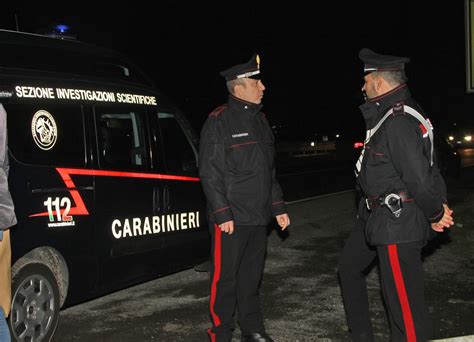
column 104, row 173
column 80, row 208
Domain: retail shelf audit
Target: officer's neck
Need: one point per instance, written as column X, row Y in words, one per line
column 384, row 87
column 386, row 93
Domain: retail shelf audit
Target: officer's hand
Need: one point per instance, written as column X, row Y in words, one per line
column 445, row 222
column 227, row 227
column 283, row 221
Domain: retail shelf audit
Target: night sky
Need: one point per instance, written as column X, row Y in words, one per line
column 308, row 50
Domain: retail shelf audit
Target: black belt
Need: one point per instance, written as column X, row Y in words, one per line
column 380, row 201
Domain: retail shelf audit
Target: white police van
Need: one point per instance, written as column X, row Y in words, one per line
column 103, row 174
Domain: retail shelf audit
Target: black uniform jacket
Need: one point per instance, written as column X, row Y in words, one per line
column 397, row 159
column 236, row 165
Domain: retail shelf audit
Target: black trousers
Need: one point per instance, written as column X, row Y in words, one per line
column 235, row 278
column 401, row 275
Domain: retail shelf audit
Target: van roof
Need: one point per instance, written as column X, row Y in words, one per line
column 34, row 52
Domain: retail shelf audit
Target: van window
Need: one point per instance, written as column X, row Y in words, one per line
column 180, row 153
column 121, row 138
column 47, row 134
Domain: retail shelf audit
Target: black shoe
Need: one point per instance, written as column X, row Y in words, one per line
column 256, row 337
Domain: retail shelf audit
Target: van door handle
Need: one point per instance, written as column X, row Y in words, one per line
column 166, row 198
column 156, row 200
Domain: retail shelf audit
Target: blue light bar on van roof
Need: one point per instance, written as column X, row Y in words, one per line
column 62, row 28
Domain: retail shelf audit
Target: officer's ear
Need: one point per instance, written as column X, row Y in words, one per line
column 239, row 89
column 379, row 83
column 382, row 85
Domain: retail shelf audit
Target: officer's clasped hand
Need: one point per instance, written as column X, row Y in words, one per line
column 283, row 221
column 445, row 222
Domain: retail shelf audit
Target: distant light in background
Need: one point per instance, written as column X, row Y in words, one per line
column 358, row 145
column 468, row 138
column 451, row 138
column 337, row 135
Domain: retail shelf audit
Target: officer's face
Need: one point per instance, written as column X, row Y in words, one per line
column 251, row 91
column 370, row 86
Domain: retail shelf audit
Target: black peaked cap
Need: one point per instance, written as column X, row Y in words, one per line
column 251, row 69
column 377, row 62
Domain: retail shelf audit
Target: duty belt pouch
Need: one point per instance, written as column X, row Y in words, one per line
column 5, row 273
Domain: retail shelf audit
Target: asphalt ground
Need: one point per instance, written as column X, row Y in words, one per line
column 300, row 294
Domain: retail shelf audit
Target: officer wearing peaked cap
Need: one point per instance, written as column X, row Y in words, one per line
column 238, row 177
column 251, row 69
column 403, row 202
column 377, row 62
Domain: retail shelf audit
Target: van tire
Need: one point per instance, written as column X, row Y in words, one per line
column 35, row 303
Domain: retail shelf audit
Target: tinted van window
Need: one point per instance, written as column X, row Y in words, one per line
column 47, row 134
column 180, row 154
column 121, row 138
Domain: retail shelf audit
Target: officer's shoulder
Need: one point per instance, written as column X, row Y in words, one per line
column 399, row 116
column 213, row 121
column 217, row 113
column 401, row 124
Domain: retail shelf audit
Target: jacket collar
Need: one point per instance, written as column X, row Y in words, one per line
column 374, row 108
column 243, row 106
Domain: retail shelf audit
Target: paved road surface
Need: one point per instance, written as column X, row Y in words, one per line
column 300, row 293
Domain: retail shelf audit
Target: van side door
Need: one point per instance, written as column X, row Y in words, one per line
column 127, row 201
column 187, row 239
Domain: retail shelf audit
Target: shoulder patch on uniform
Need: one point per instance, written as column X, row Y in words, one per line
column 398, row 108
column 218, row 110
column 424, row 132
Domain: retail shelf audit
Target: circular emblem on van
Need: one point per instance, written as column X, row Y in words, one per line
column 44, row 130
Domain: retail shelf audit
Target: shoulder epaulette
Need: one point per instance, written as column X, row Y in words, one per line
column 216, row 112
column 398, row 108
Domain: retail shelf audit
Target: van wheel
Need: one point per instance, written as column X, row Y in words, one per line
column 35, row 304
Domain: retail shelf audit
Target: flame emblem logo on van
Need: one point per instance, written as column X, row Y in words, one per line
column 44, row 130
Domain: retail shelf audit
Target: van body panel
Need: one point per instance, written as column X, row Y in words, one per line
column 103, row 167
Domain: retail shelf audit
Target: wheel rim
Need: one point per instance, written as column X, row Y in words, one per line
column 33, row 309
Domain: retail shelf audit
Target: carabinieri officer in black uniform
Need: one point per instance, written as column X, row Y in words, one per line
column 404, row 201
column 236, row 166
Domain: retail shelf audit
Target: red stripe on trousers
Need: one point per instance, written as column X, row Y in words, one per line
column 402, row 293
column 217, row 274
column 211, row 335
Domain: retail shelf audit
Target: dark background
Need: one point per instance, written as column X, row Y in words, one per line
column 309, row 51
